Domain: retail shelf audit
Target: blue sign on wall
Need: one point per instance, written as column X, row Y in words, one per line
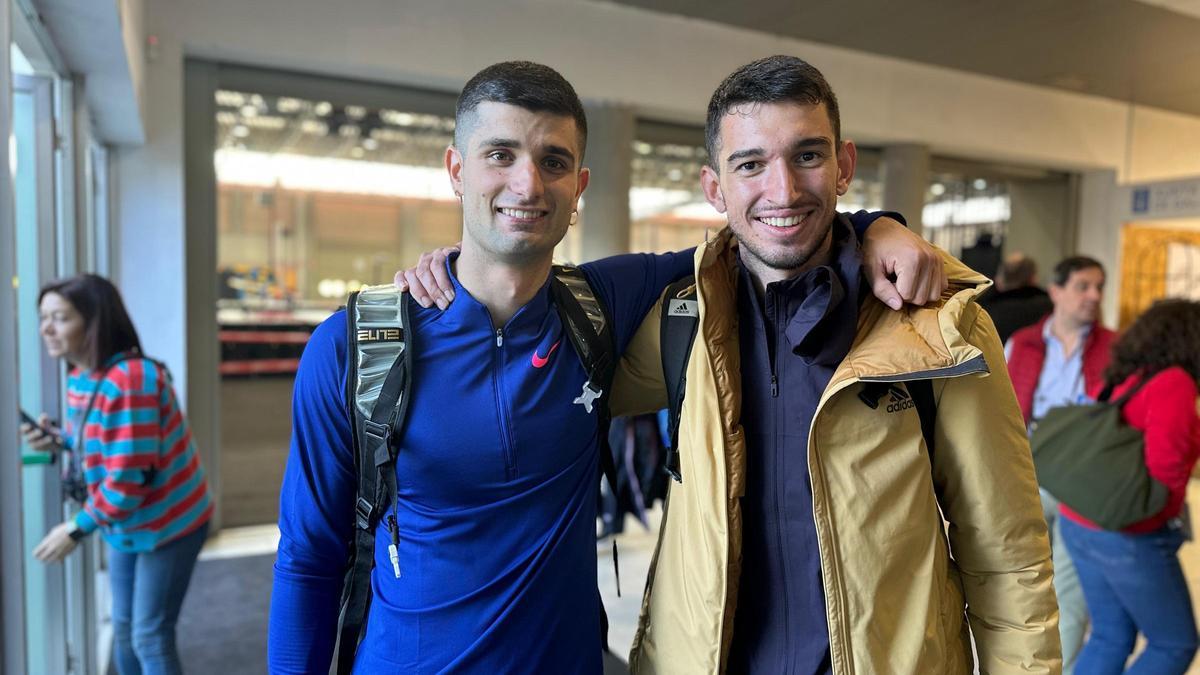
column 1141, row 200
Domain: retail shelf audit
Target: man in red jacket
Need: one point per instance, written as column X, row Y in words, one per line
column 1054, row 363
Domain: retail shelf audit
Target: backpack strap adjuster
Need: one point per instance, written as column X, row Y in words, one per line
column 363, row 512
column 377, row 437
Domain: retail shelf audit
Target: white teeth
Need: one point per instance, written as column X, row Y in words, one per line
column 521, row 214
column 782, row 222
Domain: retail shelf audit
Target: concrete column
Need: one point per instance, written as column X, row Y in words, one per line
column 604, row 221
column 1098, row 233
column 905, row 171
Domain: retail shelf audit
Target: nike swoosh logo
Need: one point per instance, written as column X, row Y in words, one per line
column 540, row 361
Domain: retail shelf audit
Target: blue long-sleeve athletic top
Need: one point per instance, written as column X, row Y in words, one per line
column 497, row 473
column 496, row 477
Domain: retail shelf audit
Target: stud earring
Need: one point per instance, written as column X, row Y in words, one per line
column 574, row 217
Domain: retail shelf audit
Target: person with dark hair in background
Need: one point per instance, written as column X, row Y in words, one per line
column 1132, row 579
column 1053, row 363
column 496, row 465
column 1017, row 300
column 129, row 448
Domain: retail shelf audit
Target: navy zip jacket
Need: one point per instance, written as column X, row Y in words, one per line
column 497, row 473
column 790, row 343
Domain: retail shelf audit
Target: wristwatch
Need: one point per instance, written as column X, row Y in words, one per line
column 75, row 533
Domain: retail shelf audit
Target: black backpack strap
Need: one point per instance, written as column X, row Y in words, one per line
column 589, row 327
column 922, row 395
column 586, row 320
column 1123, row 398
column 677, row 332
column 379, row 376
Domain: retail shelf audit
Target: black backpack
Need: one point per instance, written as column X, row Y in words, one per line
column 378, row 382
column 678, row 325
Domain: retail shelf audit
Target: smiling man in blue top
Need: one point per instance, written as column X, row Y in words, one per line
column 497, row 464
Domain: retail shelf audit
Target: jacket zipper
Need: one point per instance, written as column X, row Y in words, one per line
column 506, row 442
column 781, row 544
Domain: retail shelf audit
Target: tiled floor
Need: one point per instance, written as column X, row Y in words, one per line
column 635, row 546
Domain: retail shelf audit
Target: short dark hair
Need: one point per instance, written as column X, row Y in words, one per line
column 775, row 79
column 528, row 85
column 1017, row 271
column 1166, row 335
column 108, row 331
column 1068, row 266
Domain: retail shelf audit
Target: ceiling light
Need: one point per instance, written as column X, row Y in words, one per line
column 314, row 127
column 323, row 108
column 230, row 99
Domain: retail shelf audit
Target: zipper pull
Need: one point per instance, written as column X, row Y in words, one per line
column 499, row 337
column 393, row 551
column 774, row 386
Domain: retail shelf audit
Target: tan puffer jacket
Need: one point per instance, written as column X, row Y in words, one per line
column 899, row 581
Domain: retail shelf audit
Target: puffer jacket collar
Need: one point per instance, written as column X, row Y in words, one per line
column 916, row 343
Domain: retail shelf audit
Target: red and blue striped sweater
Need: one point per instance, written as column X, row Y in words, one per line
column 145, row 485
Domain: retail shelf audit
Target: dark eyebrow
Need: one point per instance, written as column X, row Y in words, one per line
column 802, row 144
column 514, row 144
column 814, row 142
column 561, row 151
column 499, row 143
column 738, row 156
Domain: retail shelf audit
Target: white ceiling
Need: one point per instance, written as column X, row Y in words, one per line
column 1141, row 51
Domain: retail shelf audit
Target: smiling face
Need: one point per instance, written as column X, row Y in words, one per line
column 520, row 178
column 63, row 329
column 779, row 172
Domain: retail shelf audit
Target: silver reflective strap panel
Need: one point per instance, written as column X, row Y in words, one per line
column 587, row 300
column 381, row 340
column 683, row 308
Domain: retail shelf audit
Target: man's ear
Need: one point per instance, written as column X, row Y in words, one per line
column 454, row 167
column 585, row 175
column 847, row 159
column 710, row 182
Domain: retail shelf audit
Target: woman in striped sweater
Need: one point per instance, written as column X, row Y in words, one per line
column 138, row 474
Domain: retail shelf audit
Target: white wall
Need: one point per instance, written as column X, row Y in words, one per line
column 149, row 225
column 661, row 66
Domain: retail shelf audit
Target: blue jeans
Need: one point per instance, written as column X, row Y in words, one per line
column 1133, row 583
column 147, row 593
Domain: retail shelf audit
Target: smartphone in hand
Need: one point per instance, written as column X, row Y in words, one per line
column 28, row 419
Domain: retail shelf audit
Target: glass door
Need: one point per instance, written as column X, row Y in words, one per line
column 33, row 154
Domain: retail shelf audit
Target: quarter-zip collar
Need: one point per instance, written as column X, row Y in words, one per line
column 465, row 308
